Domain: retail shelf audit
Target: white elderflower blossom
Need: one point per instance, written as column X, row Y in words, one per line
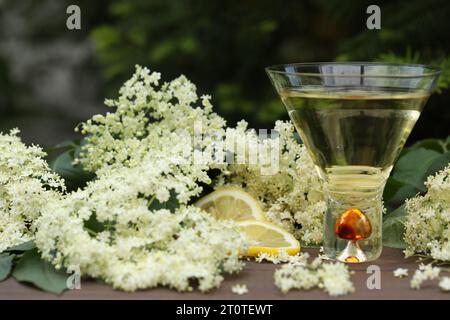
column 119, row 228
column 400, row 272
column 239, row 289
column 427, row 227
column 333, row 278
column 149, row 116
column 292, row 194
column 137, row 247
column 425, row 272
column 444, row 284
column 282, row 257
column 26, row 185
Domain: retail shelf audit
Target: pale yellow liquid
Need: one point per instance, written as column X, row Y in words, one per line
column 363, row 131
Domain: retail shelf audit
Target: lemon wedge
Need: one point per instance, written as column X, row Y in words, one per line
column 265, row 237
column 235, row 204
column 231, row 203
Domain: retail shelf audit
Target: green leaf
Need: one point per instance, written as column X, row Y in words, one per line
column 5, row 265
column 25, row 246
column 392, row 187
column 430, row 144
column 415, row 165
column 32, row 269
column 394, row 228
column 396, row 192
column 423, row 159
column 438, row 164
column 74, row 175
column 412, row 168
column 62, row 146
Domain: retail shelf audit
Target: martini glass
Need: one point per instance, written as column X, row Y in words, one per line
column 354, row 119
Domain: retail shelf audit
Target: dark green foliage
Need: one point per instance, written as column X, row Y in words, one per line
column 408, row 178
column 32, row 269
column 5, row 265
column 393, row 228
column 222, row 46
column 73, row 174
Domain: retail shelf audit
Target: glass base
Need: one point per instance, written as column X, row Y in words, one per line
column 352, row 228
column 352, row 253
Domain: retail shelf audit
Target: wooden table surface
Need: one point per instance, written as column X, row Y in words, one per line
column 259, row 280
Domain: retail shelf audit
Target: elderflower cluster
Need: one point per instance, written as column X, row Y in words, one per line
column 26, row 185
column 148, row 117
column 400, row 272
column 113, row 231
column 239, row 289
column 425, row 272
column 281, row 257
column 289, row 189
column 444, row 284
column 333, row 278
column 427, row 227
column 119, row 228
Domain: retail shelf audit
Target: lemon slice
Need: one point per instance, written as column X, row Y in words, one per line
column 231, row 204
column 265, row 237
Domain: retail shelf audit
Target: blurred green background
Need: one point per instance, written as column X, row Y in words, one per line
column 51, row 78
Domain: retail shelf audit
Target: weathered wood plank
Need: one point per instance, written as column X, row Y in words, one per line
column 259, row 279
